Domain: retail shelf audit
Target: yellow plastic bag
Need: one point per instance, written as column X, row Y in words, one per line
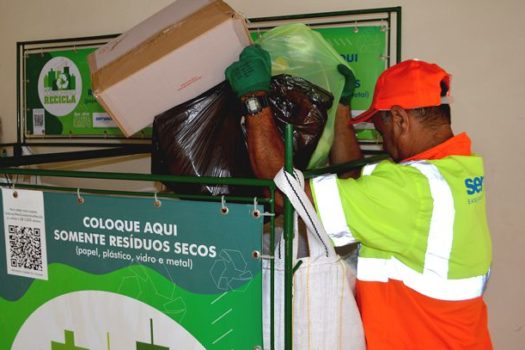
column 299, row 51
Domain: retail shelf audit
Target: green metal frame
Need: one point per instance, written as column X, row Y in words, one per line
column 116, row 149
column 288, row 245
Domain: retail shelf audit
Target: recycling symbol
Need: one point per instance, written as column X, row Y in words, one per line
column 229, row 271
column 62, row 81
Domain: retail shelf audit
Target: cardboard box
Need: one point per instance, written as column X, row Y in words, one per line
column 169, row 58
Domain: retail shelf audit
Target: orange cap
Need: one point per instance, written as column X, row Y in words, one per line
column 409, row 84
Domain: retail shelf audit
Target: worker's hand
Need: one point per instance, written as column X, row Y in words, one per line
column 349, row 87
column 252, row 72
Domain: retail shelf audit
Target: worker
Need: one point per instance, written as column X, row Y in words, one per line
column 344, row 148
column 425, row 247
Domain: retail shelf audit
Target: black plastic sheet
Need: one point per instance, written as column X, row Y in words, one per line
column 204, row 136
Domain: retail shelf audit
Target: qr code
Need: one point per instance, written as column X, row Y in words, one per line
column 25, row 246
column 38, row 119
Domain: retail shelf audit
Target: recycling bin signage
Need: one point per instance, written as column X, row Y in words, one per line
column 109, row 272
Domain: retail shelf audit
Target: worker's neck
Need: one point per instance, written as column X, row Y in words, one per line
column 427, row 139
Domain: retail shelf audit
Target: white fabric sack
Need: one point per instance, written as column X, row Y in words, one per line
column 325, row 314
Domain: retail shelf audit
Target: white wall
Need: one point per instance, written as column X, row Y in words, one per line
column 479, row 42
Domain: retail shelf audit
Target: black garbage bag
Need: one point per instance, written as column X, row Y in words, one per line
column 298, row 102
column 204, row 136
column 201, row 137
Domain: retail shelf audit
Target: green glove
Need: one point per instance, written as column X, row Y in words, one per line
column 252, row 72
column 349, row 87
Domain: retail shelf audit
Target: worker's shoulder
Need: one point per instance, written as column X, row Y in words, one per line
column 388, row 168
column 459, row 166
column 389, row 175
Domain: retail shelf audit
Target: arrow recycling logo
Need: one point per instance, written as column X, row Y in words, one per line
column 59, row 86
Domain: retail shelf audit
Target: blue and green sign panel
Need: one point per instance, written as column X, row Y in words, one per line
column 364, row 49
column 123, row 273
column 59, row 99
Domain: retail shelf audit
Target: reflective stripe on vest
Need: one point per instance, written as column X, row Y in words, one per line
column 332, row 216
column 331, row 210
column 368, row 169
column 441, row 232
column 381, row 270
column 433, row 281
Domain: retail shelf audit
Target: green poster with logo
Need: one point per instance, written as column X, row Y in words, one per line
column 59, row 100
column 364, row 48
column 123, row 273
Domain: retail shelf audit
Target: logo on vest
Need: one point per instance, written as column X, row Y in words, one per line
column 474, row 186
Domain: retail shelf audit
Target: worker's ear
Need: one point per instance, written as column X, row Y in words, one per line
column 400, row 121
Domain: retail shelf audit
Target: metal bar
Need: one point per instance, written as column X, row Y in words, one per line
column 22, row 128
column 324, row 14
column 99, row 37
column 87, row 137
column 341, row 168
column 398, row 33
column 296, row 267
column 69, row 156
column 389, row 41
column 16, row 149
column 318, row 24
column 139, row 142
column 71, row 45
column 151, row 330
column 272, row 272
column 142, row 177
column 288, row 237
column 195, row 197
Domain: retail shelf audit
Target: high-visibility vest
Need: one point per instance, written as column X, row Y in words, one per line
column 420, row 222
